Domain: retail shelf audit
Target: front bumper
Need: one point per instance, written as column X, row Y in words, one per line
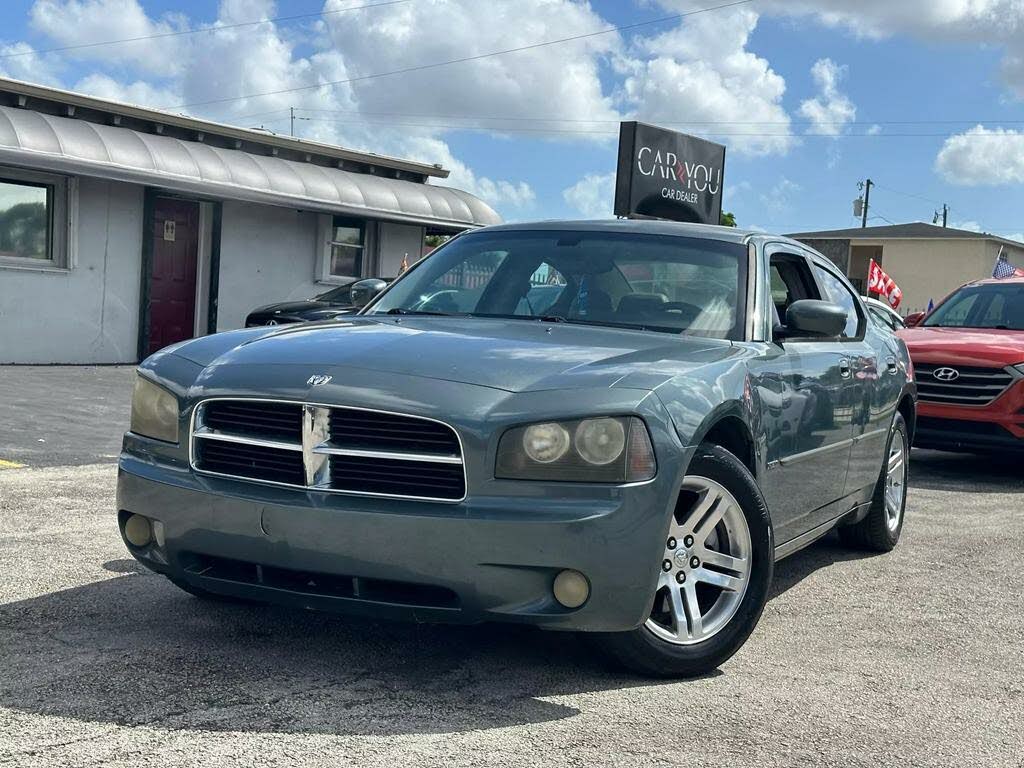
column 492, row 557
column 998, row 426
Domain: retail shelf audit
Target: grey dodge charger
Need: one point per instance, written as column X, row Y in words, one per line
column 610, row 427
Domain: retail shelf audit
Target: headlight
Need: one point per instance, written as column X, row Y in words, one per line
column 601, row 450
column 545, row 443
column 154, row 411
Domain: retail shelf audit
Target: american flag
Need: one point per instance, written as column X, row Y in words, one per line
column 1004, row 268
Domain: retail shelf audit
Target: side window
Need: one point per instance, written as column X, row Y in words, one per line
column 838, row 293
column 791, row 281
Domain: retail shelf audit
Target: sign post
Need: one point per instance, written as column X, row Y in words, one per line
column 668, row 175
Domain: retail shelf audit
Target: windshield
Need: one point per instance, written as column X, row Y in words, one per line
column 653, row 282
column 337, row 295
column 982, row 306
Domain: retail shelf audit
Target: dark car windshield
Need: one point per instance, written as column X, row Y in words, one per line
column 655, row 282
column 339, row 295
column 982, row 306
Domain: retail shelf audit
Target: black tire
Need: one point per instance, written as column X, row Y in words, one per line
column 873, row 533
column 640, row 650
column 212, row 597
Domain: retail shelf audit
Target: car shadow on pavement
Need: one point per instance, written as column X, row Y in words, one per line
column 133, row 650
column 990, row 473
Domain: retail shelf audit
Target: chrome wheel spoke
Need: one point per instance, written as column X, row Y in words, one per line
column 721, row 580
column 696, row 620
column 895, row 480
column 722, row 560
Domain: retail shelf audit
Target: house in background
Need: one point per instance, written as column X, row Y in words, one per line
column 124, row 229
column 926, row 261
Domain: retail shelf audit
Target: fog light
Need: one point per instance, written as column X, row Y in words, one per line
column 571, row 589
column 138, row 531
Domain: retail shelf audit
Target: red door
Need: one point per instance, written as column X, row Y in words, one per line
column 172, row 285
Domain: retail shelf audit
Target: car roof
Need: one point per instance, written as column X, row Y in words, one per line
column 640, row 226
column 997, row 281
column 881, row 304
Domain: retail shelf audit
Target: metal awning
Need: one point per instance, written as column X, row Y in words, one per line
column 66, row 145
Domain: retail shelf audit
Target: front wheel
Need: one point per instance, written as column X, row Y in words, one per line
column 713, row 575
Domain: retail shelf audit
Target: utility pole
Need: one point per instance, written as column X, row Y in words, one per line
column 867, row 202
column 945, row 216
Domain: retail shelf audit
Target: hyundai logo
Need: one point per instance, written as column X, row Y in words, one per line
column 317, row 380
column 946, row 374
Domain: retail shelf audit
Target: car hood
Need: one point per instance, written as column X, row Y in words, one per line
column 967, row 346
column 509, row 355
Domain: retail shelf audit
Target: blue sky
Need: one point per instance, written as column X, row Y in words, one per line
column 905, row 86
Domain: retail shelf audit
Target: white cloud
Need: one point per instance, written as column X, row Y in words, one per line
column 983, row 157
column 78, row 22
column 830, row 111
column 140, row 92
column 593, row 195
column 21, row 62
column 701, row 71
column 778, row 199
column 561, row 81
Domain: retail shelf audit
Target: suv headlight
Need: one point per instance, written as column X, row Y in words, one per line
column 599, row 450
column 154, row 411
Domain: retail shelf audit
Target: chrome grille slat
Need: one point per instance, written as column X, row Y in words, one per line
column 975, row 386
column 334, row 449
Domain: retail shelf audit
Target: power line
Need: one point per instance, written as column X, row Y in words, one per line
column 464, row 59
column 615, row 121
column 211, row 28
column 611, row 132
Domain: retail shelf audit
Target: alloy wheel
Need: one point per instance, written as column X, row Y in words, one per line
column 895, row 480
column 705, row 568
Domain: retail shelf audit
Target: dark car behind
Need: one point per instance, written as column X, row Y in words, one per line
column 321, row 307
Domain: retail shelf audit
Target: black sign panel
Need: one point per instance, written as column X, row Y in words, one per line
column 668, row 175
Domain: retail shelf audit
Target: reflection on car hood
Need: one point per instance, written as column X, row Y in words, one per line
column 968, row 346
column 509, row 355
column 291, row 306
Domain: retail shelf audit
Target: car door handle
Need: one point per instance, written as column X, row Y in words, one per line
column 891, row 365
column 844, row 368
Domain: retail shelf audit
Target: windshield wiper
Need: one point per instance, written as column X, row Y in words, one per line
column 404, row 311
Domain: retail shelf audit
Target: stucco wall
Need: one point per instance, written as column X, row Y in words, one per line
column 930, row 269
column 89, row 314
column 396, row 242
column 267, row 255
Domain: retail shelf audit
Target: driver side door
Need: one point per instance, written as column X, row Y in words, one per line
column 808, row 415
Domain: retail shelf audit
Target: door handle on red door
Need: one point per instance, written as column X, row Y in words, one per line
column 844, row 368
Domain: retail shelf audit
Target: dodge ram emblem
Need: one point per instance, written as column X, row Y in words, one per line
column 946, row 374
column 317, row 380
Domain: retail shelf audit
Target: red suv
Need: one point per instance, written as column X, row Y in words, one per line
column 968, row 356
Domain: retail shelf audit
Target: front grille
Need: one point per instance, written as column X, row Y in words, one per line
column 973, row 386
column 255, row 418
column 342, row 450
column 257, row 462
column 326, row 584
column 402, row 434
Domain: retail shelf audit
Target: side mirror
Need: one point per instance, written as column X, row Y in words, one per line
column 914, row 319
column 363, row 292
column 810, row 317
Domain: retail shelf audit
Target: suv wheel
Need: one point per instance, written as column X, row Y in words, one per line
column 713, row 575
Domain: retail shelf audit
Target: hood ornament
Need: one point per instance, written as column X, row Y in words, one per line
column 318, row 380
column 947, row 374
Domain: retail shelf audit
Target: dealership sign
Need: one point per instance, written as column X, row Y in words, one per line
column 668, row 175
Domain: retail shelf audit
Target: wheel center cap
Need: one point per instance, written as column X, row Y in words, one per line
column 682, row 558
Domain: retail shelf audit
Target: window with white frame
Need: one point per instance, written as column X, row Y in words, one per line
column 33, row 219
column 347, row 246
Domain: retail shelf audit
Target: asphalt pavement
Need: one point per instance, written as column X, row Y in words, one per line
column 913, row 658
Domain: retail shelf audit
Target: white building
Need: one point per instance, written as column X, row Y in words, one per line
column 123, row 229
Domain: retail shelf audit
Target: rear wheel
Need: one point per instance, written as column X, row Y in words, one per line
column 713, row 575
column 880, row 530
